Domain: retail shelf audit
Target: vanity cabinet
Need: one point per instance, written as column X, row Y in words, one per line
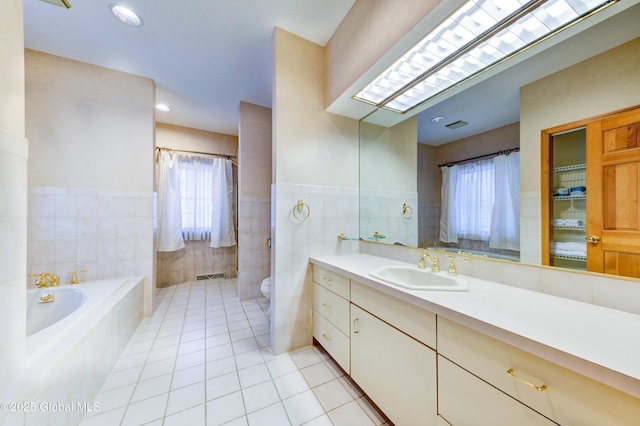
column 464, row 399
column 560, row 395
column 331, row 315
column 394, row 369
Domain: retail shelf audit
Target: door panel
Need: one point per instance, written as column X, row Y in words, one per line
column 613, row 188
column 621, row 197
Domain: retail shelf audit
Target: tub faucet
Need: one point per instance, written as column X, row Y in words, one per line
column 52, row 279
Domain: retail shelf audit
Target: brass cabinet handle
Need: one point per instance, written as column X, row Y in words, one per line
column 326, row 336
column 327, row 279
column 356, row 328
column 521, row 380
column 327, row 305
column 593, row 239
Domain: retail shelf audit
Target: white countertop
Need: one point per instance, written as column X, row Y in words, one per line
column 597, row 342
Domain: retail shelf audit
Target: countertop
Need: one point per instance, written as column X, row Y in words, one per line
column 597, row 342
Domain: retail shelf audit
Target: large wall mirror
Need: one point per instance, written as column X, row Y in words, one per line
column 506, row 108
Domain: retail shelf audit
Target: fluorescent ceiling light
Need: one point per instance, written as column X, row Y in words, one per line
column 125, row 15
column 477, row 36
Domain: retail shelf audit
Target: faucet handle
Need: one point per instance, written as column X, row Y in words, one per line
column 453, row 270
column 74, row 278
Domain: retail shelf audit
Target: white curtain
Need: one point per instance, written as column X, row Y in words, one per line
column 196, row 185
column 505, row 223
column 467, row 201
column 222, row 226
column 169, row 212
column 448, row 229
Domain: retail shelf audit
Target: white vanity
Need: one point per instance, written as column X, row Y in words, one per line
column 493, row 355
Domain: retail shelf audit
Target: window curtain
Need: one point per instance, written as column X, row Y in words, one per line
column 475, row 195
column 196, row 188
column 169, row 211
column 222, row 226
column 448, row 229
column 505, row 223
column 467, row 201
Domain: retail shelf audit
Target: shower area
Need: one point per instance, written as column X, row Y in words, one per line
column 196, row 205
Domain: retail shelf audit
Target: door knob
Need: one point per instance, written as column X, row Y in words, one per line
column 594, row 239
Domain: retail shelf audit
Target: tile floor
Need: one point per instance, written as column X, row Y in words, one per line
column 204, row 359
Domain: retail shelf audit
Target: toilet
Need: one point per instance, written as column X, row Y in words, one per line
column 265, row 288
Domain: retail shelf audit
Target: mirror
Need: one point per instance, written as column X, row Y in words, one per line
column 399, row 154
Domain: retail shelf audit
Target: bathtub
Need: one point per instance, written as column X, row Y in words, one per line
column 41, row 315
column 73, row 342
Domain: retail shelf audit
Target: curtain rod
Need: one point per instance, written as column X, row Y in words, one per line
column 230, row 157
column 495, row 154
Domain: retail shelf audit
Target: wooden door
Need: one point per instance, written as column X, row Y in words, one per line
column 613, row 192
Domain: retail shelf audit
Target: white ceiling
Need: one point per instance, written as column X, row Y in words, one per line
column 204, row 55
column 208, row 55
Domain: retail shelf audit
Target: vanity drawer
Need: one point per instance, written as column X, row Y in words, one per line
column 332, row 281
column 412, row 320
column 463, row 399
column 332, row 339
column 569, row 398
column 333, row 307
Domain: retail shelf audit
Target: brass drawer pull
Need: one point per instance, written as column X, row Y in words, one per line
column 356, row 328
column 521, row 380
column 327, row 279
column 327, row 305
column 326, row 336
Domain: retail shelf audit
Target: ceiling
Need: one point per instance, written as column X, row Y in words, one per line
column 208, row 55
column 204, row 55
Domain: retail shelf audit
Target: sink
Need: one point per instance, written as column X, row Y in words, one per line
column 414, row 278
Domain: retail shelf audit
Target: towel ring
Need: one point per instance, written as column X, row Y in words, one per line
column 407, row 211
column 299, row 210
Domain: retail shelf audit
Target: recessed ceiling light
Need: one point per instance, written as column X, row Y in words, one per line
column 125, row 15
column 163, row 107
column 437, row 119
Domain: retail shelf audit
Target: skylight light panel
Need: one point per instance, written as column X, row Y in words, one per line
column 481, row 33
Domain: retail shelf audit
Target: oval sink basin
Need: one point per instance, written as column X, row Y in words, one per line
column 414, row 278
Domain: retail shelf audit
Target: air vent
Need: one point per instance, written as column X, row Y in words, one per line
column 61, row 3
column 456, row 124
column 210, row 276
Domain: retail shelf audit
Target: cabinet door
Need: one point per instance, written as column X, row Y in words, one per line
column 464, row 399
column 397, row 372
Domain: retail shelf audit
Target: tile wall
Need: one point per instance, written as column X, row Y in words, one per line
column 383, row 213
column 429, row 223
column 194, row 259
column 332, row 211
column 13, row 237
column 107, row 232
column 255, row 256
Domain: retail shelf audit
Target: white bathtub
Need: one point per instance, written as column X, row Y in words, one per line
column 73, row 342
column 41, row 315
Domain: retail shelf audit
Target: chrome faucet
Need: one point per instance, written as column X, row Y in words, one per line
column 52, row 279
column 434, row 261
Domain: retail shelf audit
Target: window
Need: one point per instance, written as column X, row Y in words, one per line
column 481, row 201
column 196, row 192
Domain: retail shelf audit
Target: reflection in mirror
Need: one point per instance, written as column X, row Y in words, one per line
column 388, row 197
column 559, row 82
